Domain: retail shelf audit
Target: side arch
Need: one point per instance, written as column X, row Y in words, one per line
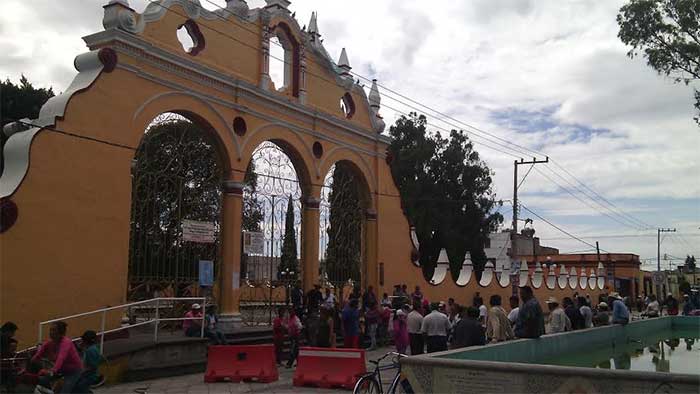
column 293, row 145
column 194, row 108
column 357, row 163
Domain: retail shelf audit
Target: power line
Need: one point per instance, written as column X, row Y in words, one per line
column 560, row 229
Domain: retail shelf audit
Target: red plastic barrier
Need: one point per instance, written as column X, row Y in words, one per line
column 327, row 368
column 239, row 363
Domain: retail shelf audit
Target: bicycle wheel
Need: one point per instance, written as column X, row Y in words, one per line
column 400, row 385
column 367, row 385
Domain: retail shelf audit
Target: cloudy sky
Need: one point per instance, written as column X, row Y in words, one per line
column 549, row 75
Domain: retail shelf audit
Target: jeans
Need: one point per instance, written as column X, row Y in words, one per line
column 293, row 350
column 416, row 341
column 437, row 343
column 373, row 336
column 69, row 382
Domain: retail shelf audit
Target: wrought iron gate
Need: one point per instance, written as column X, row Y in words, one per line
column 176, row 175
column 342, row 230
column 272, row 184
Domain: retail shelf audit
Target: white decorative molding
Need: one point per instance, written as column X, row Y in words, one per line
column 592, row 279
column 524, row 278
column 573, row 279
column 487, row 275
column 441, row 269
column 17, row 147
column 551, row 277
column 537, row 276
column 465, row 273
column 563, row 279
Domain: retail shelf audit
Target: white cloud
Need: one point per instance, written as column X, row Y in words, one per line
column 557, row 63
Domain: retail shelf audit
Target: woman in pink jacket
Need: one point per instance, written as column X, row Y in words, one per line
column 400, row 331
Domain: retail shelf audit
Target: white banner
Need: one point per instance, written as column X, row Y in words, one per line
column 195, row 231
column 253, row 242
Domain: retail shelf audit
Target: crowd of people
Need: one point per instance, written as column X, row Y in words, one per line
column 57, row 360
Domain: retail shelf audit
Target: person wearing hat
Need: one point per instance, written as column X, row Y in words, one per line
column 671, row 305
column 193, row 325
column 558, row 321
column 653, row 309
column 620, row 313
column 602, row 317
column 687, row 305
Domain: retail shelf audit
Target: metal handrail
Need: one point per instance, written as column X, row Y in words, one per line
column 156, row 320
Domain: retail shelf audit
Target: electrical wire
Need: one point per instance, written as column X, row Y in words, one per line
column 560, row 229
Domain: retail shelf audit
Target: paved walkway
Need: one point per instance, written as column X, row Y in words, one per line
column 194, row 383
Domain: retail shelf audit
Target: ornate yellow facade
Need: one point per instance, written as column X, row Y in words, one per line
column 68, row 175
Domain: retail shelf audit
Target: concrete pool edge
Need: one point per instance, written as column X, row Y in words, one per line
column 438, row 372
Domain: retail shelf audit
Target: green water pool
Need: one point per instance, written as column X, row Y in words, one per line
column 676, row 351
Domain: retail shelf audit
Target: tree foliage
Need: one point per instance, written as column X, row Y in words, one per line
column 446, row 192
column 22, row 100
column 18, row 102
column 289, row 260
column 667, row 32
column 344, row 249
column 252, row 208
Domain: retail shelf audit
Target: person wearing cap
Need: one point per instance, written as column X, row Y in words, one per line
column 558, row 321
column 192, row 326
column 602, row 317
column 400, row 331
column 671, row 305
column 653, row 309
column 620, row 313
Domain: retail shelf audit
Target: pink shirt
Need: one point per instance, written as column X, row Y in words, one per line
column 67, row 359
column 186, row 324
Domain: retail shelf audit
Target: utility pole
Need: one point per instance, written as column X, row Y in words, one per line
column 658, row 254
column 516, row 186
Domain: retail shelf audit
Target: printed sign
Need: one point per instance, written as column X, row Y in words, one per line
column 253, row 242
column 206, row 273
column 195, row 231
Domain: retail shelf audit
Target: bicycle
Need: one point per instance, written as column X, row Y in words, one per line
column 371, row 383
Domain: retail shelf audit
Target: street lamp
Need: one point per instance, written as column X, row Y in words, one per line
column 287, row 277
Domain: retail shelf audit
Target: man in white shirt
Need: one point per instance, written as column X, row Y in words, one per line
column 483, row 312
column 653, row 309
column 514, row 309
column 414, row 322
column 436, row 326
column 329, row 299
column 586, row 312
column 558, row 321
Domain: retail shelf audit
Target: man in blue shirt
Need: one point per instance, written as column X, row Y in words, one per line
column 621, row 315
column 351, row 325
column 530, row 323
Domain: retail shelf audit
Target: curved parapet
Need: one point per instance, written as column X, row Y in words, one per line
column 504, row 278
column 465, row 274
column 20, row 135
column 487, row 275
column 601, row 282
column 563, row 279
column 524, row 274
column 573, row 279
column 583, row 279
column 601, row 269
column 443, row 265
column 537, row 276
column 551, row 277
column 416, row 247
column 592, row 280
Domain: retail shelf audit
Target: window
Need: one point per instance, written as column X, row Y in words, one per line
column 347, row 105
column 277, row 64
column 284, row 60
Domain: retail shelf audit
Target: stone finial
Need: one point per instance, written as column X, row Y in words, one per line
column 125, row 3
column 374, row 98
column 343, row 62
column 313, row 26
column 282, row 4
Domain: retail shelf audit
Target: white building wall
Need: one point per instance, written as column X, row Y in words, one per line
column 500, row 245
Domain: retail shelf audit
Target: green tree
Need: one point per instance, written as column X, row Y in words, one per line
column 18, row 102
column 344, row 248
column 667, row 32
column 690, row 263
column 288, row 260
column 252, row 209
column 446, row 192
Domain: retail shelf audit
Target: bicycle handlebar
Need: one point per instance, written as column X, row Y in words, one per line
column 395, row 354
